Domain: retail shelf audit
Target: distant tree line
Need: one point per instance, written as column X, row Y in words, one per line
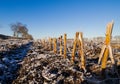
column 20, row 30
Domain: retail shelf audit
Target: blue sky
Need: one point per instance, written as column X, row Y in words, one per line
column 53, row 18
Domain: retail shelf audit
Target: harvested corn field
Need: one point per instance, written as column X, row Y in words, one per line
column 44, row 67
column 60, row 61
column 59, row 42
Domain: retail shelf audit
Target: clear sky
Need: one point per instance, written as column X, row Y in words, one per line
column 55, row 17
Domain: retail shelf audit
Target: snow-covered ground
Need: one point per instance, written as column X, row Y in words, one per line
column 12, row 52
column 24, row 62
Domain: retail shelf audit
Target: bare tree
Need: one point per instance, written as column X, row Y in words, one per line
column 14, row 28
column 23, row 30
column 20, row 29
